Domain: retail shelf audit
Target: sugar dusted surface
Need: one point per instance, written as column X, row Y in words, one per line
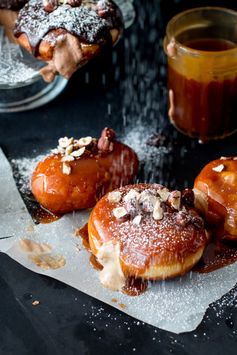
column 82, row 21
column 140, row 243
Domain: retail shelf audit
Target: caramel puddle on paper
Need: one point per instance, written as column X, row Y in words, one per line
column 48, row 261
column 29, row 246
column 40, row 254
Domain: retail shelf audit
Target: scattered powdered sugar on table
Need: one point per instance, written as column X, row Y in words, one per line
column 23, row 169
column 150, row 158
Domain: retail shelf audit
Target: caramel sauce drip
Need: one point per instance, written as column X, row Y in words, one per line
column 83, row 233
column 43, row 216
column 95, row 264
column 134, row 287
column 216, row 256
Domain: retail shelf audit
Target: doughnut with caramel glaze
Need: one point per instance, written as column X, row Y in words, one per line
column 67, row 34
column 152, row 232
column 81, row 171
column 216, row 196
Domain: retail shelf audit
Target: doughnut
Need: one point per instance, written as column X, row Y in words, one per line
column 215, row 189
column 80, row 171
column 145, row 231
column 8, row 15
column 67, row 34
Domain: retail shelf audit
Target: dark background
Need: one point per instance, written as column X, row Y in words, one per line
column 122, row 90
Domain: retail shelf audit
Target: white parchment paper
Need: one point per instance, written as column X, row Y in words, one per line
column 177, row 306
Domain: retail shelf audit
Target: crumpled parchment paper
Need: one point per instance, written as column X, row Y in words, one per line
column 177, row 305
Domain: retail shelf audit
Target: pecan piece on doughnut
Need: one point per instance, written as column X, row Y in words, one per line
column 105, row 143
column 187, row 197
column 50, row 5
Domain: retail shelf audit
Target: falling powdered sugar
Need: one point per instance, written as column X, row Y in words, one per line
column 151, row 158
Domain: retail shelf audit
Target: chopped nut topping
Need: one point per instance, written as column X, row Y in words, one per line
column 85, row 141
column 68, row 158
column 57, row 150
column 108, row 133
column 147, row 200
column 105, row 143
column 79, row 152
column 175, row 199
column 65, row 142
column 158, row 212
column 50, row 5
column 187, row 197
column 164, row 194
column 119, row 212
column 219, row 168
column 137, row 220
column 66, row 168
column 114, row 196
column 132, row 194
column 69, row 149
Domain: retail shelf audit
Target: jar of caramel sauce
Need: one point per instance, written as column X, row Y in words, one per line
column 201, row 45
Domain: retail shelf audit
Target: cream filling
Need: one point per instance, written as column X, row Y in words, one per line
column 112, row 275
column 200, row 200
column 67, row 56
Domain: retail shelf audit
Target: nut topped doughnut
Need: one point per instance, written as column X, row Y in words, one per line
column 145, row 231
column 216, row 195
column 80, row 171
column 67, row 33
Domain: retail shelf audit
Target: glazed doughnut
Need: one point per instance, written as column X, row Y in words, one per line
column 79, row 172
column 67, row 34
column 216, row 196
column 145, row 231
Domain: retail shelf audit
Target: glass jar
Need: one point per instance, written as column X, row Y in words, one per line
column 201, row 45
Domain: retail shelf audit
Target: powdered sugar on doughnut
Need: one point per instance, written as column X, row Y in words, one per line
column 83, row 22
